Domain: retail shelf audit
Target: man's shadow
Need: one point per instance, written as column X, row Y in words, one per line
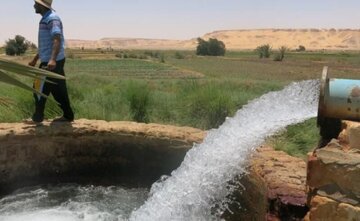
column 51, row 128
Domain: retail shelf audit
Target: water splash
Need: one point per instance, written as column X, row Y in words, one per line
column 201, row 181
column 71, row 203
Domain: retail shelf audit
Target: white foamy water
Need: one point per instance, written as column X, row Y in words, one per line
column 71, row 203
column 192, row 191
column 201, row 181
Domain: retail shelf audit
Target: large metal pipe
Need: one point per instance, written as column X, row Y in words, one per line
column 339, row 98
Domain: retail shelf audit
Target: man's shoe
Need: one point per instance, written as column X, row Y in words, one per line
column 62, row 119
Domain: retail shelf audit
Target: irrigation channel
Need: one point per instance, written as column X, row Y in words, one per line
column 197, row 190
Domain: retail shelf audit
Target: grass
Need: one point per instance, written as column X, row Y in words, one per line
column 297, row 140
column 138, row 96
column 185, row 90
column 206, row 104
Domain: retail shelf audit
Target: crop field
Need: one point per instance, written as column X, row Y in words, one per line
column 178, row 87
column 136, row 69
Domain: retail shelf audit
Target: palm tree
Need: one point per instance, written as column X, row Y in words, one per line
column 7, row 67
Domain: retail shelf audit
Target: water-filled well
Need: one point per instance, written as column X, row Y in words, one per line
column 90, row 170
column 196, row 190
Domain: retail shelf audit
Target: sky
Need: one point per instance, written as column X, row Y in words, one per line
column 175, row 19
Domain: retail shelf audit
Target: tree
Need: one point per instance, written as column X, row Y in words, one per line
column 32, row 46
column 8, row 68
column 213, row 47
column 216, row 47
column 17, row 46
column 202, row 48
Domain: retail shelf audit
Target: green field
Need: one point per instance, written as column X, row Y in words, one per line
column 178, row 87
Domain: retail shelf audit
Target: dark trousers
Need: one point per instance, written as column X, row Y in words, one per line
column 58, row 91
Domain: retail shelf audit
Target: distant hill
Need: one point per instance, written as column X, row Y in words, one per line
column 131, row 43
column 315, row 39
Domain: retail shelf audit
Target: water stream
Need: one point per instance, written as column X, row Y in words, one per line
column 195, row 189
column 201, row 181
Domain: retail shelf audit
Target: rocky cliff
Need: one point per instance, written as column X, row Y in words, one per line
column 314, row 39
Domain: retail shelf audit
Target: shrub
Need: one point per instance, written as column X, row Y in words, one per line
column 138, row 96
column 301, row 48
column 132, row 55
column 162, row 58
column 141, row 56
column 281, row 54
column 70, row 55
column 17, row 46
column 32, row 46
column 153, row 54
column 264, row 51
column 213, row 47
column 179, row 55
column 10, row 48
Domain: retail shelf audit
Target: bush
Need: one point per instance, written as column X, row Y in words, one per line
column 141, row 56
column 153, row 54
column 281, row 54
column 162, row 58
column 301, row 48
column 178, row 55
column 132, row 55
column 264, row 51
column 70, row 55
column 138, row 96
column 213, row 47
column 17, row 46
column 32, row 46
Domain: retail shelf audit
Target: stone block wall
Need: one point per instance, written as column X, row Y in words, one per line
column 273, row 190
column 333, row 178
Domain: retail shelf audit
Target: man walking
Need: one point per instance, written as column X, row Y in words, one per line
column 51, row 53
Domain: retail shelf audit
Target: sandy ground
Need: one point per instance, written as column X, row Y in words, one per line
column 314, row 39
